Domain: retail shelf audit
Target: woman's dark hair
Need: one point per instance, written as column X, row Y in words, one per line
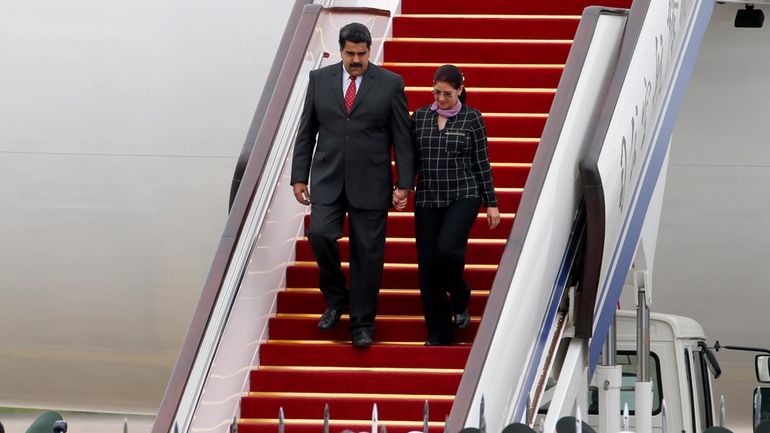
column 356, row 33
column 451, row 75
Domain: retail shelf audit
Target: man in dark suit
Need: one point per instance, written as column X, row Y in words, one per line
column 358, row 112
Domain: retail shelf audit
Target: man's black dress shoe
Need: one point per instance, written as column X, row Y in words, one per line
column 463, row 320
column 362, row 338
column 437, row 343
column 329, row 319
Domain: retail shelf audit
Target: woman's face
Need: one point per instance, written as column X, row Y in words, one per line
column 446, row 95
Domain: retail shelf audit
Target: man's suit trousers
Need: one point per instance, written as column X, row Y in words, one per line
column 367, row 252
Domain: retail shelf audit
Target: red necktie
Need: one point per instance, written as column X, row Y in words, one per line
column 350, row 94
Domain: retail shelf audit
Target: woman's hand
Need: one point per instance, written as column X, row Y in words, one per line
column 493, row 217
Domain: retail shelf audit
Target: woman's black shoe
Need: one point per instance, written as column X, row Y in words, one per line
column 463, row 320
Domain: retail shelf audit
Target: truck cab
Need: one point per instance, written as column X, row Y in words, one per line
column 681, row 369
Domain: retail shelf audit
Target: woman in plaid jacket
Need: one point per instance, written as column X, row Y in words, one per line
column 454, row 180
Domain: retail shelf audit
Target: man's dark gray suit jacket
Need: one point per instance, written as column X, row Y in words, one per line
column 353, row 150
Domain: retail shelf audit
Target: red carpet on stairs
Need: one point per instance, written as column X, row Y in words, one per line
column 512, row 54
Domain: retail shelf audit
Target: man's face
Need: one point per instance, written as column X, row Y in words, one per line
column 355, row 58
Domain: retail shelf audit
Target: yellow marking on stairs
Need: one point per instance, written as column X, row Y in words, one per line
column 508, row 16
column 479, row 65
column 509, row 115
column 347, row 342
column 306, row 264
column 511, row 164
column 322, row 342
column 496, row 90
column 352, row 395
column 505, row 189
column 494, row 164
column 342, row 422
column 388, row 291
column 361, row 369
column 521, row 115
column 524, row 139
column 384, row 317
column 472, row 241
column 397, row 214
column 487, row 41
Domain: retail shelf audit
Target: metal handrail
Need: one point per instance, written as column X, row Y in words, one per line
column 264, row 100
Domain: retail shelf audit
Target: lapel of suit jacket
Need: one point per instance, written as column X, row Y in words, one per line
column 366, row 85
column 337, row 86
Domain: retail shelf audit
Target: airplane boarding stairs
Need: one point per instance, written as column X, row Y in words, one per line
column 398, row 373
column 512, row 54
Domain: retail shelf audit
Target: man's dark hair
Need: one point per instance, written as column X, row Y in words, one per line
column 356, row 33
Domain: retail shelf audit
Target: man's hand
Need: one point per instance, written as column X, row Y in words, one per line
column 400, row 197
column 301, row 193
column 493, row 217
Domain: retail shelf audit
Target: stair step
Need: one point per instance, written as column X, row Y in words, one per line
column 544, row 51
column 404, row 250
column 490, row 100
column 395, row 276
column 501, row 27
column 505, row 7
column 512, row 150
column 344, row 355
column 403, row 302
column 364, row 382
column 266, row 406
column 401, row 225
column 410, row 329
column 505, row 174
column 484, row 75
column 521, row 125
column 507, row 198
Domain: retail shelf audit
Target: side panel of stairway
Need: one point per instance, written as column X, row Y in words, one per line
column 628, row 153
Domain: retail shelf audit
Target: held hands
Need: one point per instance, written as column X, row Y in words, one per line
column 302, row 193
column 493, row 217
column 400, row 197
